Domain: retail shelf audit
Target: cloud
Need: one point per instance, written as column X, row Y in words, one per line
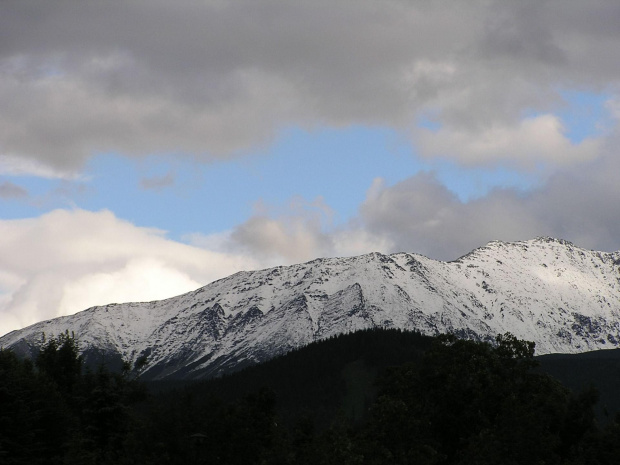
column 420, row 215
column 203, row 79
column 296, row 232
column 578, row 203
column 71, row 119
column 158, row 182
column 532, row 143
column 66, row 261
column 293, row 239
column 18, row 165
column 289, row 234
column 8, row 190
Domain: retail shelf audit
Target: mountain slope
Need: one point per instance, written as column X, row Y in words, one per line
column 564, row 298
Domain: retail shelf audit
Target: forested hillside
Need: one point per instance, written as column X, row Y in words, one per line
column 371, row 397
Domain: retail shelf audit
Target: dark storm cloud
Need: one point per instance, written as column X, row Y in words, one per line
column 216, row 77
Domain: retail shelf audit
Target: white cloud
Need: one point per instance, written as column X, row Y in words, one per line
column 139, row 279
column 533, row 142
column 66, row 261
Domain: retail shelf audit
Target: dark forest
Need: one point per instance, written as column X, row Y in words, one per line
column 372, row 397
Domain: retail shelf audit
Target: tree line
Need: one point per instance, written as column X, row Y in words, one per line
column 452, row 401
column 53, row 411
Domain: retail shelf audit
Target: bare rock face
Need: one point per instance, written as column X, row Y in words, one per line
column 564, row 298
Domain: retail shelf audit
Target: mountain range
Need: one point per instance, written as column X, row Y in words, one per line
column 564, row 298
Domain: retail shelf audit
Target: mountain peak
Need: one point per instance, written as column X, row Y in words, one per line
column 564, row 298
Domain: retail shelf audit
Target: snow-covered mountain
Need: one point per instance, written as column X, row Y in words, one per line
column 564, row 298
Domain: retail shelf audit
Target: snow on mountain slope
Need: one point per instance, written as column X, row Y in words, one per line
column 564, row 298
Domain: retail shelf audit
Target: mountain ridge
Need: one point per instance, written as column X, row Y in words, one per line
column 564, row 298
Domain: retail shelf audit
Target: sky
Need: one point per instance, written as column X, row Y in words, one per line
column 149, row 148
